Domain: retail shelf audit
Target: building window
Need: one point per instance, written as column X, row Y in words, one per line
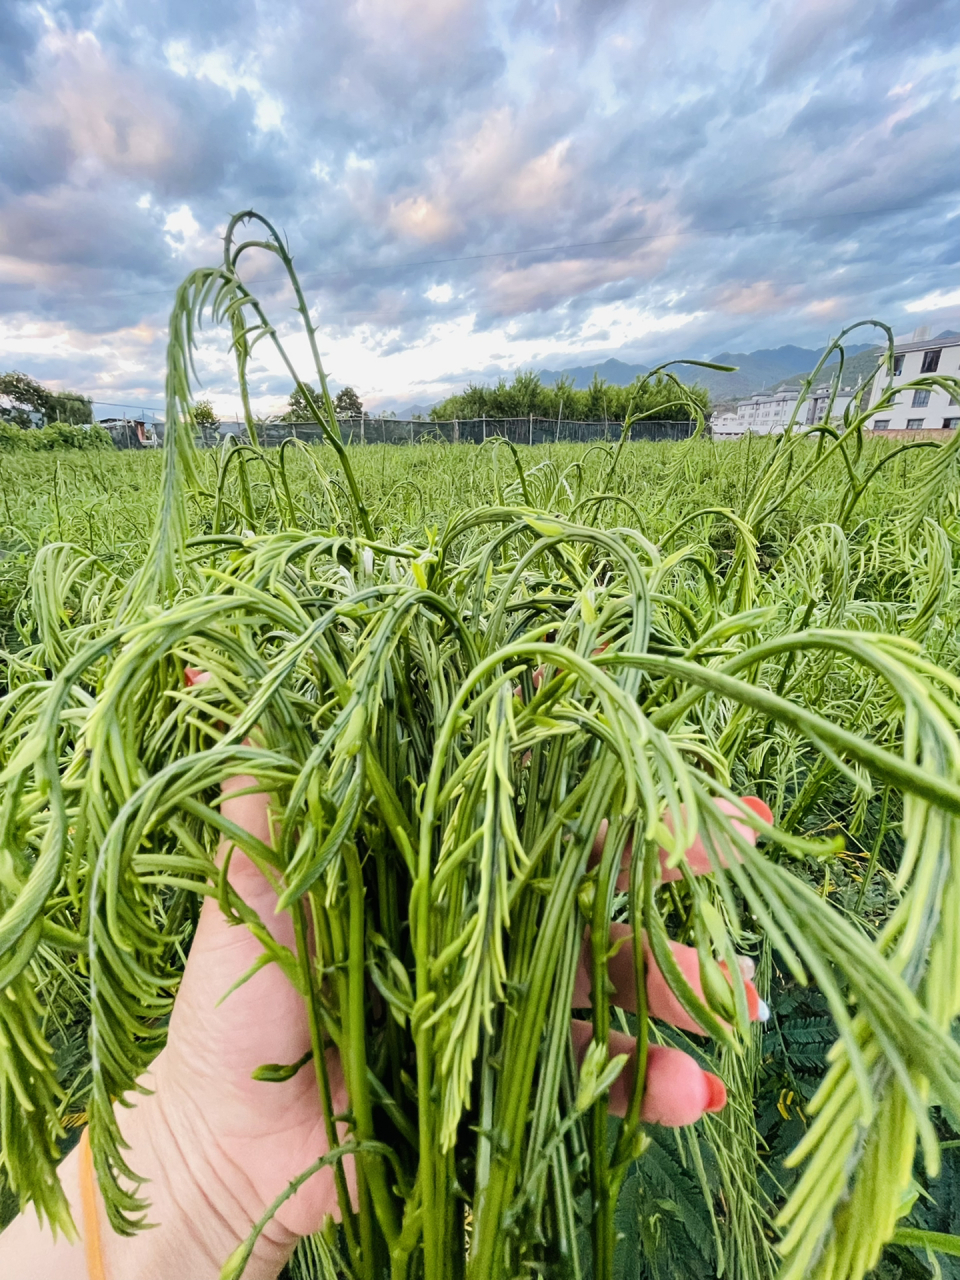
column 914, row 424
column 921, row 399
column 931, row 361
column 897, row 365
column 882, row 424
column 951, row 424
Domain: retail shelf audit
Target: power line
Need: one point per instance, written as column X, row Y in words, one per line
column 592, row 244
column 112, row 404
column 548, row 249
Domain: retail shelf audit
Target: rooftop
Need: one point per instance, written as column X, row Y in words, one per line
column 914, row 343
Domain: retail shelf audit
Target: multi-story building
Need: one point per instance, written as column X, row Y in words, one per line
column 725, row 426
column 768, row 413
column 922, row 409
column 919, row 410
column 816, row 406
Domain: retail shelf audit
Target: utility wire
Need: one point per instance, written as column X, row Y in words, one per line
column 347, row 272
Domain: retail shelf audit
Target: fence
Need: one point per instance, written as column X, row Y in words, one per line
column 528, row 430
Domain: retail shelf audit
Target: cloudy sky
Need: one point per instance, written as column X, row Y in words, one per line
column 474, row 185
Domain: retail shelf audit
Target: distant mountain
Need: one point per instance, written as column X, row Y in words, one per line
column 615, row 372
column 855, row 368
column 406, row 412
column 756, row 370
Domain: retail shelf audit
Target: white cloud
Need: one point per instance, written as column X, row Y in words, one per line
column 935, row 301
column 408, row 132
column 428, row 367
column 221, row 69
column 98, row 106
column 181, row 228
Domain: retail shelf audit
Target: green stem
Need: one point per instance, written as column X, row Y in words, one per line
column 323, row 1078
column 875, row 851
column 355, row 1047
column 521, row 1044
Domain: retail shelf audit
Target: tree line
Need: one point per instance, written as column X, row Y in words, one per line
column 656, row 397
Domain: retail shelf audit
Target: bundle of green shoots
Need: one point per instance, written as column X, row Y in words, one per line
column 443, row 725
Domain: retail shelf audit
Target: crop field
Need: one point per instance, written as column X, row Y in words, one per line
column 504, row 700
column 105, row 502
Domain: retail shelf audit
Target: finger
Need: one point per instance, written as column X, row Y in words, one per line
column 249, row 810
column 677, row 1091
column 696, row 856
column 661, row 1002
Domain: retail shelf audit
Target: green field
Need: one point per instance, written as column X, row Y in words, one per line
column 733, row 574
column 105, row 502
column 477, row 685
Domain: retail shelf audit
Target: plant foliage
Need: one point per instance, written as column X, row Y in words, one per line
column 55, row 435
column 656, row 397
column 437, row 808
column 21, row 395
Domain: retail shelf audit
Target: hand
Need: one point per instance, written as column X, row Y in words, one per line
column 216, row 1146
column 677, row 1090
column 247, row 1138
column 219, row 1147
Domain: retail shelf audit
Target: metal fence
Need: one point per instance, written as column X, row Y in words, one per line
column 529, row 430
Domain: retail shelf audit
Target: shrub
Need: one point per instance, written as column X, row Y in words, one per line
column 56, row 435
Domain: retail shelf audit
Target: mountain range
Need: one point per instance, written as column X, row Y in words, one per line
column 756, row 370
column 763, row 370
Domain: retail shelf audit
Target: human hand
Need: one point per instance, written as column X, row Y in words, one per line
column 215, row 1146
column 677, row 1091
column 264, row 1134
column 242, row 1140
column 219, row 1146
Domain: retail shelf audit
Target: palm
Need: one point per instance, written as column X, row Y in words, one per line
column 264, row 1133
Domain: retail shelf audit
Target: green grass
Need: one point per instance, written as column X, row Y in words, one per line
column 105, row 506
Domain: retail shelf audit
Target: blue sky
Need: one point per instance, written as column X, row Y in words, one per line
column 475, row 185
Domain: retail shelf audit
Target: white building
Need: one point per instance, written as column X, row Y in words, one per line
column 768, row 414
column 724, row 426
column 919, row 410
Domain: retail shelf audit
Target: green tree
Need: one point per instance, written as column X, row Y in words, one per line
column 70, row 406
column 21, row 396
column 657, row 397
column 55, row 435
column 203, row 414
column 298, row 410
column 348, row 404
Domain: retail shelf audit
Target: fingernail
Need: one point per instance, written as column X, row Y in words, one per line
column 763, row 1011
column 746, row 966
column 716, row 1093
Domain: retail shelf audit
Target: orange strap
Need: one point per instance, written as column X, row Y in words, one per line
column 88, row 1205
